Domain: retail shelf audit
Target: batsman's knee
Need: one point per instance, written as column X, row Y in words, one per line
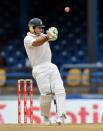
column 60, row 91
column 59, row 88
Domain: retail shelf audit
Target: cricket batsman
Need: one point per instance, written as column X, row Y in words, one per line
column 44, row 71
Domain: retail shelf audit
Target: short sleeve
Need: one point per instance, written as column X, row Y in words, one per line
column 28, row 40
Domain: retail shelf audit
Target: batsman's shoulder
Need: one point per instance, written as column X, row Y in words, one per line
column 26, row 38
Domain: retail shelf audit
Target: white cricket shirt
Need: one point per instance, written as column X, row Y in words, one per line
column 37, row 55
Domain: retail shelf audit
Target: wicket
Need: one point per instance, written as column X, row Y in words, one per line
column 25, row 81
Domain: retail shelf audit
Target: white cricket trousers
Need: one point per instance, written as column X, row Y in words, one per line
column 49, row 81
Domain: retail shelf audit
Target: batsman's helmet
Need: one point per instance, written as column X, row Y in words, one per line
column 35, row 22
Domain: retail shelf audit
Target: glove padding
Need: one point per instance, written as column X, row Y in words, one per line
column 52, row 33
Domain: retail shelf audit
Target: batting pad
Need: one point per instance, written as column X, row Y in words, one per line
column 45, row 104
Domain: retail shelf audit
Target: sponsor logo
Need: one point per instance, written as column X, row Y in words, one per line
column 82, row 114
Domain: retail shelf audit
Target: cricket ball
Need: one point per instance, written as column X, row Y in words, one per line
column 67, row 9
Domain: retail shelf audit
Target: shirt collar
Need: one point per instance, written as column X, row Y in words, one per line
column 30, row 34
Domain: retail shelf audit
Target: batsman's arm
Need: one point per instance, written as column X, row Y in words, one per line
column 40, row 41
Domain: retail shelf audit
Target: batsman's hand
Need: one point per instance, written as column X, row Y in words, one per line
column 52, row 33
